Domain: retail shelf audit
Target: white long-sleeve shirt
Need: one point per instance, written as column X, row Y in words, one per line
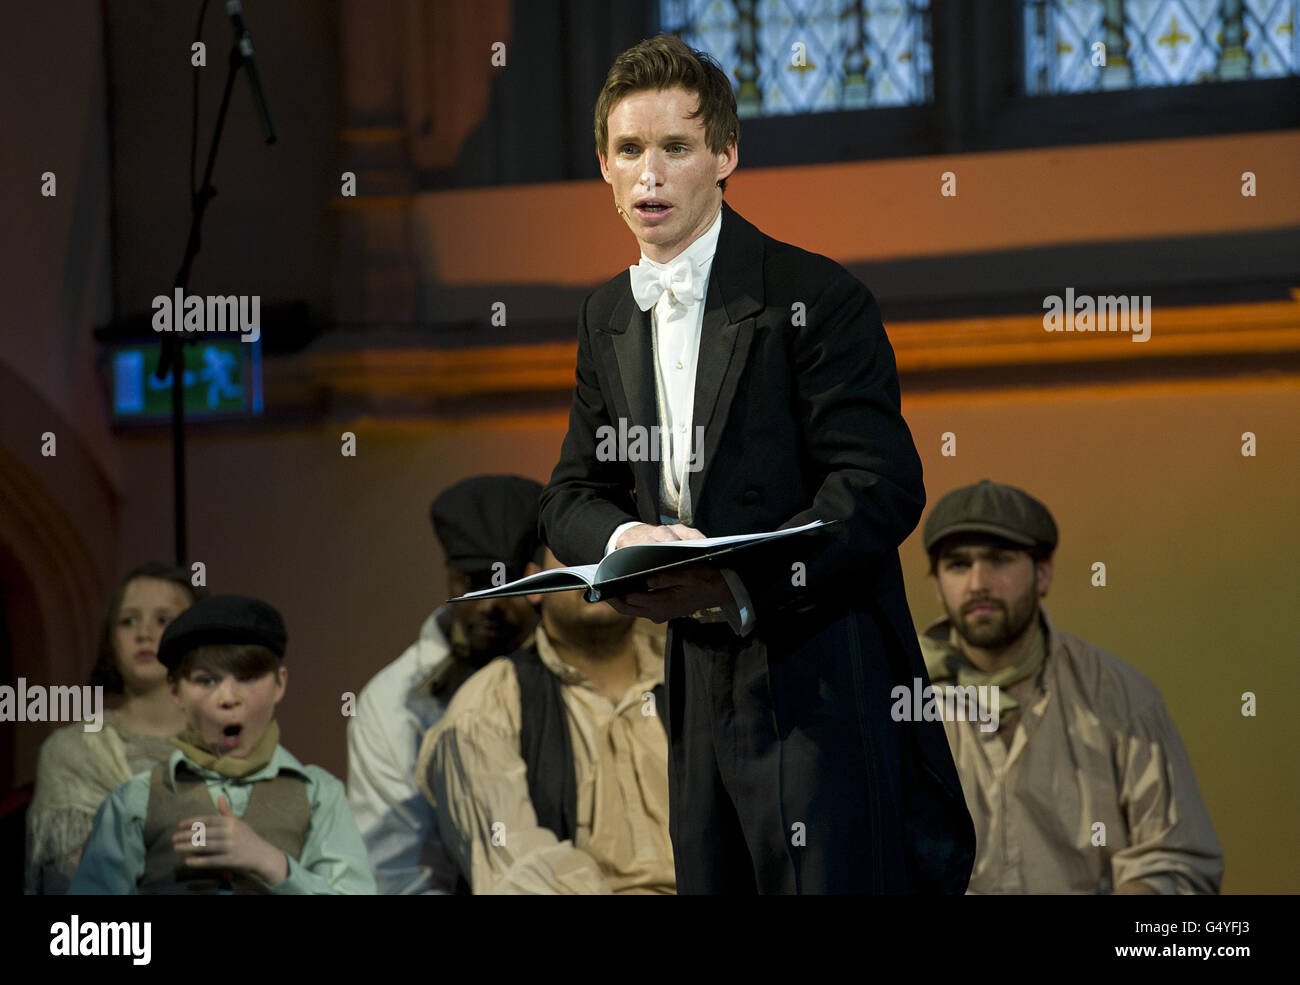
column 397, row 823
column 677, row 329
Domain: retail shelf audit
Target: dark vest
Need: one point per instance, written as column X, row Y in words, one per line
column 278, row 810
column 547, row 747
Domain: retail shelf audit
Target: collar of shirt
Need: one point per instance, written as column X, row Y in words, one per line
column 941, row 627
column 649, row 665
column 434, row 656
column 453, row 667
column 1032, row 694
column 700, row 252
column 281, row 759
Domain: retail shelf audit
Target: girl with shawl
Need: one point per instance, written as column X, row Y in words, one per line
column 78, row 769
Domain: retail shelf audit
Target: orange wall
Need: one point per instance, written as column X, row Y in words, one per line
column 1199, row 542
column 568, row 233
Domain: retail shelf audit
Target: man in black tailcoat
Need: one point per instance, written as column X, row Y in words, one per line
column 767, row 371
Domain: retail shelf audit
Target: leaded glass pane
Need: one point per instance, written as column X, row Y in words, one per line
column 811, row 56
column 1165, row 42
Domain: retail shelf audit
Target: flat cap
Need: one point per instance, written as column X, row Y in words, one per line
column 991, row 508
column 488, row 518
column 222, row 619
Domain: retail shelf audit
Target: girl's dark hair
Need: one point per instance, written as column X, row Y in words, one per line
column 105, row 673
column 245, row 661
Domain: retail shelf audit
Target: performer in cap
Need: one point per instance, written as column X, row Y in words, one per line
column 77, row 768
column 487, row 526
column 1084, row 786
column 232, row 811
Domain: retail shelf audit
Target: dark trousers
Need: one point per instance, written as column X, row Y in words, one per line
column 783, row 767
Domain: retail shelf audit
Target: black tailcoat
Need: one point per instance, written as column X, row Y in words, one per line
column 787, row 772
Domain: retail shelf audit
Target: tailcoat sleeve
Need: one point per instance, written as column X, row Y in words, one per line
column 865, row 465
column 586, row 498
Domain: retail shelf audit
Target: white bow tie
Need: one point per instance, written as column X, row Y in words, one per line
column 681, row 280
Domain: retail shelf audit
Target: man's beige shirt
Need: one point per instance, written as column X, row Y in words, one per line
column 1091, row 745
column 471, row 769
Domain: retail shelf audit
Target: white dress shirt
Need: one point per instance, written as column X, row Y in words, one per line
column 397, row 823
column 675, row 330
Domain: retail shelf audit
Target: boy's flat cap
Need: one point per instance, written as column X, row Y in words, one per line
column 222, row 619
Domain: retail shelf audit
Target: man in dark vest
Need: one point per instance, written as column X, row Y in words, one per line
column 487, row 528
column 549, row 770
column 768, row 374
column 232, row 811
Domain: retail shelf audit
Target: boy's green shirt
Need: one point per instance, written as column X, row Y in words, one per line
column 333, row 855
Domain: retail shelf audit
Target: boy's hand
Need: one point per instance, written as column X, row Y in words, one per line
column 229, row 843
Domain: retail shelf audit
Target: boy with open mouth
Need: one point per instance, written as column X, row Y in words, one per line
column 232, row 811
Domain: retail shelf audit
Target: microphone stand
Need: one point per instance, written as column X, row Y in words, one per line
column 172, row 356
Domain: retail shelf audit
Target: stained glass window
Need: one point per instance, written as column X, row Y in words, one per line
column 812, row 56
column 1163, row 42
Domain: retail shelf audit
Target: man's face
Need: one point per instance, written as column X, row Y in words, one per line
column 572, row 615
column 231, row 714
column 657, row 154
column 989, row 590
column 495, row 627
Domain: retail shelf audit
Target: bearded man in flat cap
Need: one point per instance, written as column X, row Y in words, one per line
column 1084, row 786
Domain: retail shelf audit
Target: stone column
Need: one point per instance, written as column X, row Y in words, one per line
column 749, row 99
column 376, row 279
column 857, row 86
column 1234, row 63
column 1117, row 73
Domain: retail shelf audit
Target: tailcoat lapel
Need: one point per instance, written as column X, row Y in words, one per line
column 630, row 360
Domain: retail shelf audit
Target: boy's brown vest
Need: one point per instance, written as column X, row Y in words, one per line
column 278, row 810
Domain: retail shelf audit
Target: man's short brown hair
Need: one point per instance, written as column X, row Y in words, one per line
column 665, row 62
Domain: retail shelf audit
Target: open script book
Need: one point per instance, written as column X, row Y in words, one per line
column 626, row 569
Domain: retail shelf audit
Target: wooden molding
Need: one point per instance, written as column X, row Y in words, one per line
column 1021, row 340
column 408, row 377
column 447, row 373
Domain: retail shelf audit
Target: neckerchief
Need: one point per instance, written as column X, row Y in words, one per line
column 953, row 665
column 191, row 743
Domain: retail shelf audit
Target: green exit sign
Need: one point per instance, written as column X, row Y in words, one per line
column 222, row 378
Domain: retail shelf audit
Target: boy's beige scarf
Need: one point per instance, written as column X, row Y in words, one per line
column 191, row 743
